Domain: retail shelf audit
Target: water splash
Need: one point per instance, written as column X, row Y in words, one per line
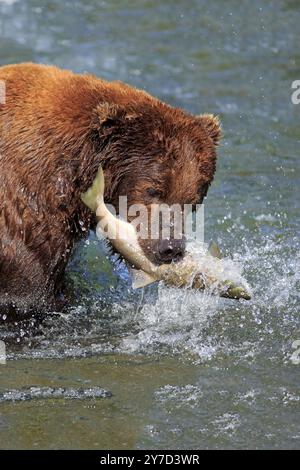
column 167, row 321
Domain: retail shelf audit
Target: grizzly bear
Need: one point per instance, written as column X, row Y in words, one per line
column 56, row 128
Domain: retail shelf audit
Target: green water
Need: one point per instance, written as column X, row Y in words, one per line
column 186, row 370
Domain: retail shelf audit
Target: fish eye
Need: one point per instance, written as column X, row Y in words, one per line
column 155, row 193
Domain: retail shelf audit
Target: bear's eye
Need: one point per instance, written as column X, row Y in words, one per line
column 155, row 193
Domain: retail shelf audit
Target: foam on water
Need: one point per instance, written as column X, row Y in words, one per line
column 43, row 393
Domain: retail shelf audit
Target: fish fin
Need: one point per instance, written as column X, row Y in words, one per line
column 214, row 250
column 91, row 197
column 140, row 278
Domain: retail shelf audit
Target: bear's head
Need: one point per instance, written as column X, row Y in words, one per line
column 155, row 154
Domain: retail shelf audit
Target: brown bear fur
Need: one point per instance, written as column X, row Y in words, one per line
column 56, row 127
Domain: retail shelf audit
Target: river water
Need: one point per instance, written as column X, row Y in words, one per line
column 185, row 369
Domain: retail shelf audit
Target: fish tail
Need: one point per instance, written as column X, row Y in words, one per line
column 94, row 195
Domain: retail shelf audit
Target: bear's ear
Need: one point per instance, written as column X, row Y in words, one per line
column 212, row 126
column 107, row 117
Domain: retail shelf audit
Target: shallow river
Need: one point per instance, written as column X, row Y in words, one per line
column 185, row 369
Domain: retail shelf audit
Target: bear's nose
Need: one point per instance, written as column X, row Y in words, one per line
column 171, row 250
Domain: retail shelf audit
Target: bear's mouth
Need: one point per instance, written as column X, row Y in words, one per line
column 152, row 256
column 150, row 251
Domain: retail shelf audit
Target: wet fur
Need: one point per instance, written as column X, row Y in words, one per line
column 55, row 129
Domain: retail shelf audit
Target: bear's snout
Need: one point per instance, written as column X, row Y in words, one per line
column 170, row 250
column 164, row 250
